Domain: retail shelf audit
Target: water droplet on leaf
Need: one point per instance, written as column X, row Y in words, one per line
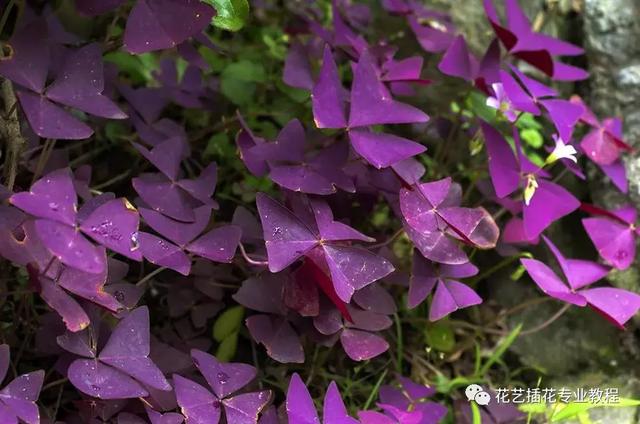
column 222, row 377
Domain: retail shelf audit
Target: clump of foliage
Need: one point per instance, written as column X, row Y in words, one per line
column 197, row 194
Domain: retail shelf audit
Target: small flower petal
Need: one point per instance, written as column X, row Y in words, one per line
column 562, row 151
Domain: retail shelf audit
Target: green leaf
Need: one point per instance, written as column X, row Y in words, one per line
column 239, row 92
column 381, row 216
column 245, row 70
column 215, row 61
column 238, row 81
column 625, row 402
column 114, row 130
column 533, row 408
column 573, row 409
column 475, row 145
column 532, row 137
column 181, row 67
column 139, row 67
column 583, row 418
column 536, row 159
column 227, row 323
column 276, row 41
column 477, row 363
column 440, row 336
column 446, row 386
column 231, row 14
column 501, row 349
column 227, row 348
column 527, row 120
column 219, row 146
column 475, row 413
column 296, row 94
column 477, row 102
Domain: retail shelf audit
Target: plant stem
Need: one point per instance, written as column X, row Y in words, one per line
column 313, row 365
column 89, row 155
column 150, row 275
column 113, row 180
column 497, row 267
column 5, row 15
column 497, row 332
column 548, row 322
column 11, row 133
column 387, row 241
column 49, row 144
column 560, row 175
column 399, row 343
column 250, row 260
column 375, row 390
column 54, row 383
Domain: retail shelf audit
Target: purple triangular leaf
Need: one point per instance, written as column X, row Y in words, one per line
column 161, row 24
column 128, row 350
column 371, row 102
column 286, row 237
column 101, row 381
column 223, row 378
column 115, row 226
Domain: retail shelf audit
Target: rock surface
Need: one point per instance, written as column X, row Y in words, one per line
column 612, row 41
column 580, row 339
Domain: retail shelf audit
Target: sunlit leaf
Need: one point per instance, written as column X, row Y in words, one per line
column 231, row 15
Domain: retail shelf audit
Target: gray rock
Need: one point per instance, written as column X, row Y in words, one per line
column 469, row 17
column 612, row 41
column 578, row 340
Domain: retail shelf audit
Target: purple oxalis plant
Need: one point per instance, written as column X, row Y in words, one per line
column 122, row 369
column 343, row 163
column 78, row 84
column 407, row 403
column 301, row 410
column 318, row 172
column 357, row 336
column 168, row 193
column 613, row 233
column 18, row 398
column 288, row 239
column 538, row 49
column 60, row 225
column 603, row 144
column 270, row 327
column 450, row 295
column 217, row 245
column 617, row 305
column 370, row 104
column 200, row 405
column 544, row 200
column 171, row 22
column 436, row 223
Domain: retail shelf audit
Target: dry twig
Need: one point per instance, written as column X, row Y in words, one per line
column 11, row 134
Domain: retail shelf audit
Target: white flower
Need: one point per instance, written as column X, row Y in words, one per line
column 562, row 151
column 501, row 102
